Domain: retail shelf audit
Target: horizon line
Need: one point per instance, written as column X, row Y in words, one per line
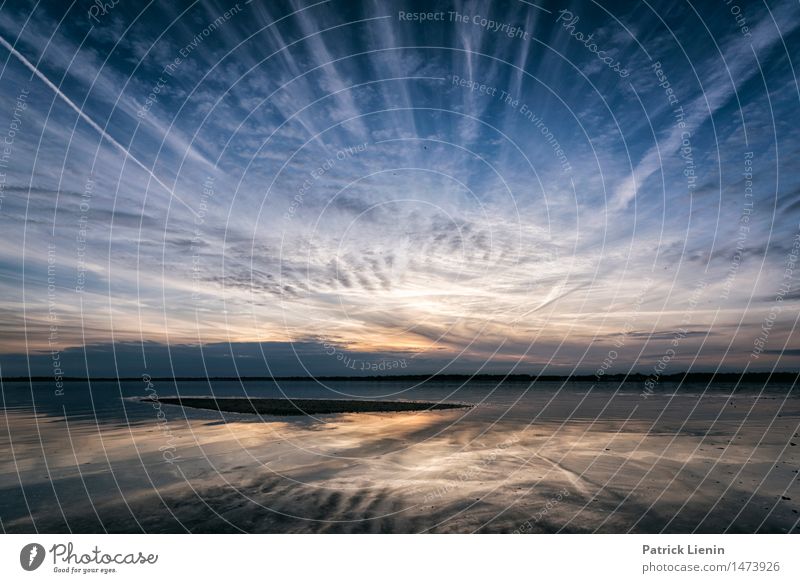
column 613, row 377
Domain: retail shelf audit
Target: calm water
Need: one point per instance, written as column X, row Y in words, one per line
column 546, row 458
column 118, row 401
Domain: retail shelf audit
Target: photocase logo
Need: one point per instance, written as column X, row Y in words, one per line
column 31, row 556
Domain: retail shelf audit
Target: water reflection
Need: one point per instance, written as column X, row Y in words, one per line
column 617, row 462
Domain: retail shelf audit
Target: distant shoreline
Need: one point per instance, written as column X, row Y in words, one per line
column 633, row 377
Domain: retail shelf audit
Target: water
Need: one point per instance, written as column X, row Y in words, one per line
column 688, row 458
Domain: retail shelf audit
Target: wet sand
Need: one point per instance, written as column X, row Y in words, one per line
column 572, row 462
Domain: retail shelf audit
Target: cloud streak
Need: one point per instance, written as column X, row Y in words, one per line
column 337, row 187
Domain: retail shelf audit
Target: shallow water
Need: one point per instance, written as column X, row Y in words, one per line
column 551, row 457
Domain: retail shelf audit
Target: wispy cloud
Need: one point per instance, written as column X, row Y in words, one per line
column 310, row 174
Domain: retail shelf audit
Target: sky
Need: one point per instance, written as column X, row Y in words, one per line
column 345, row 188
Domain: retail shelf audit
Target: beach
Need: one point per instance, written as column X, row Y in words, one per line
column 523, row 460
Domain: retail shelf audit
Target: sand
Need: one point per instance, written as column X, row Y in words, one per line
column 281, row 407
column 570, row 462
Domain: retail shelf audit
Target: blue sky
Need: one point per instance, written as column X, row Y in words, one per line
column 302, row 186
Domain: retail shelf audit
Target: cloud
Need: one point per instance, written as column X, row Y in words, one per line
column 455, row 233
